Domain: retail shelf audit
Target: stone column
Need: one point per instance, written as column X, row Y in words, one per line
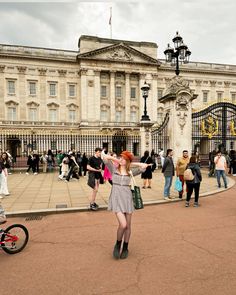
column 152, row 102
column 227, row 93
column 83, row 97
column 213, row 91
column 97, row 95
column 127, row 97
column 2, row 108
column 198, row 92
column 43, row 94
column 112, row 96
column 178, row 102
column 145, row 135
column 22, row 93
column 63, row 111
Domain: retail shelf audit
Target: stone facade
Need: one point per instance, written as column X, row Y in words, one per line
column 66, row 99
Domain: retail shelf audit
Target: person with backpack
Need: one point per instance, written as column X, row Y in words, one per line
column 147, row 174
column 193, row 178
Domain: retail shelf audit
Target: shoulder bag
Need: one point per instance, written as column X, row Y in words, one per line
column 136, row 193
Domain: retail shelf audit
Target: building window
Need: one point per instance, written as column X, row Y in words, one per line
column 52, row 89
column 118, row 116
column 159, row 93
column 233, row 97
column 133, row 116
column 32, row 88
column 11, row 87
column 118, row 92
column 72, row 116
column 205, row 96
column 133, row 92
column 103, row 91
column 72, row 90
column 104, row 115
column 219, row 96
column 11, row 113
column 52, row 115
column 33, row 114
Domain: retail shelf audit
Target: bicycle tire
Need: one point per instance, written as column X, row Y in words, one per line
column 19, row 245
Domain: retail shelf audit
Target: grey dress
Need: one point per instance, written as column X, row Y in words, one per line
column 120, row 199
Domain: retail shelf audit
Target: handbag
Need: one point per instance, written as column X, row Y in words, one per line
column 136, row 193
column 178, row 185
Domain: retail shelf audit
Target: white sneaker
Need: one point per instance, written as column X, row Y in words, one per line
column 27, row 173
column 166, row 198
column 1, row 197
column 35, row 173
column 234, row 174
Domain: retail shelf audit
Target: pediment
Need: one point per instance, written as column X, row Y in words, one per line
column 11, row 103
column 72, row 106
column 119, row 53
column 53, row 105
column 32, row 104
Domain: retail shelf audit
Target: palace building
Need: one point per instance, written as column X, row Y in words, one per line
column 62, row 100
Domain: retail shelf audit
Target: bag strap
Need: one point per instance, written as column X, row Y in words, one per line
column 132, row 180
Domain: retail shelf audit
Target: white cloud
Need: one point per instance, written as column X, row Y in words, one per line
column 207, row 26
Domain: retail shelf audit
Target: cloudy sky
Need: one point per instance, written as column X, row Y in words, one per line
column 208, row 27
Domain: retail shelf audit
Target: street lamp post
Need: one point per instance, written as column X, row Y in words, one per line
column 145, row 88
column 179, row 54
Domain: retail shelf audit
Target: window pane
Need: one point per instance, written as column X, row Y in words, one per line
column 103, row 91
column 133, row 92
column 11, row 113
column 11, row 87
column 72, row 90
column 32, row 88
column 118, row 116
column 219, row 96
column 133, row 116
column 205, row 96
column 72, row 115
column 103, row 115
column 33, row 114
column 118, row 91
column 233, row 97
column 52, row 89
column 52, row 115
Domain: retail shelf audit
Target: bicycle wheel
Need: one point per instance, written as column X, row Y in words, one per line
column 15, row 238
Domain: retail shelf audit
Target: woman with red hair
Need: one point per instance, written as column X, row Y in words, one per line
column 120, row 200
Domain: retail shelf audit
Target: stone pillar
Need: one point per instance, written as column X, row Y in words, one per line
column 152, row 102
column 2, row 109
column 97, row 95
column 145, row 136
column 227, row 93
column 43, row 94
column 213, row 91
column 63, row 111
column 83, row 97
column 178, row 102
column 127, row 97
column 22, row 94
column 112, row 96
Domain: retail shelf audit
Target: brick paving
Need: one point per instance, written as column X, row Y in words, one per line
column 45, row 193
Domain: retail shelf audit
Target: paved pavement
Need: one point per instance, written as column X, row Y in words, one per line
column 173, row 251
column 45, row 193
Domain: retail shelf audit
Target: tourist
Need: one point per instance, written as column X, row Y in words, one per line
column 161, row 154
column 4, row 165
column 84, row 163
column 64, row 167
column 95, row 176
column 43, row 161
column 31, row 163
column 120, row 200
column 193, row 185
column 168, row 170
column 220, row 168
column 180, row 168
column 147, row 174
column 107, row 174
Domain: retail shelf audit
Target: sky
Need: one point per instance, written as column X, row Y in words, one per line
column 208, row 27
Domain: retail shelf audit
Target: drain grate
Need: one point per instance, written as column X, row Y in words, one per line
column 33, row 217
column 61, row 206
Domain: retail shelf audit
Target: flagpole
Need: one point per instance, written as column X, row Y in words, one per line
column 110, row 22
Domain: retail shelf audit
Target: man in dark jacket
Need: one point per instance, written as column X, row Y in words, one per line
column 168, row 170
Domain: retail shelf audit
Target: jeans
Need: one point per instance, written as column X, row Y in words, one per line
column 220, row 173
column 168, row 182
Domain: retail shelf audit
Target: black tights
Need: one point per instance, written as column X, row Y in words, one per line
column 193, row 187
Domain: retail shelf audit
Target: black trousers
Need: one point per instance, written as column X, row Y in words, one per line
column 193, row 187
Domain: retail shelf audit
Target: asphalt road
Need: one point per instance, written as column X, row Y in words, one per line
column 173, row 251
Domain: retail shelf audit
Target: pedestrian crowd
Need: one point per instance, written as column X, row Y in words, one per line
column 119, row 171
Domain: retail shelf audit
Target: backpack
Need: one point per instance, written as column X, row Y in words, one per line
column 188, row 174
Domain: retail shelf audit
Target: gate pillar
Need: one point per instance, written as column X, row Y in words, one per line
column 145, row 136
column 177, row 102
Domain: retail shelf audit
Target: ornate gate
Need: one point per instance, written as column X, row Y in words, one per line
column 160, row 138
column 214, row 128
